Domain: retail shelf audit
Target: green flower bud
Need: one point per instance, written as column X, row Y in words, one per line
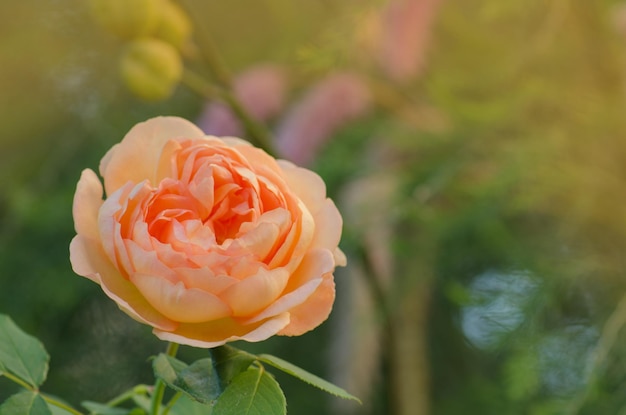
column 127, row 18
column 174, row 25
column 151, row 68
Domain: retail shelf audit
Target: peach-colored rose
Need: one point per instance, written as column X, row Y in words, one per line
column 207, row 239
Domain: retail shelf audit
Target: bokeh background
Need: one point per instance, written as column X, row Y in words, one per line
column 477, row 149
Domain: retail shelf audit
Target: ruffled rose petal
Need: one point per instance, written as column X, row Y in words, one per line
column 147, row 262
column 315, row 263
column 287, row 301
column 296, row 242
column 87, row 257
column 87, row 202
column 204, row 279
column 261, row 240
column 137, row 157
column 314, row 311
column 255, row 292
column 217, row 333
column 108, row 225
column 179, row 303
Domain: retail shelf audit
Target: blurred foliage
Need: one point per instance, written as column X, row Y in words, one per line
column 510, row 180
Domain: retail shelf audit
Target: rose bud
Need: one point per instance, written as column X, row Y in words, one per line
column 174, row 25
column 126, row 18
column 151, row 68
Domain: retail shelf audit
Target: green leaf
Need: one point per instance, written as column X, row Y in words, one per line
column 55, row 410
column 25, row 403
column 305, row 376
column 21, row 354
column 229, row 362
column 142, row 401
column 96, row 408
column 186, row 406
column 198, row 380
column 253, row 392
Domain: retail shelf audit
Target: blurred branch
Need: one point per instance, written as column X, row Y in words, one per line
column 409, row 357
column 258, row 134
column 208, row 49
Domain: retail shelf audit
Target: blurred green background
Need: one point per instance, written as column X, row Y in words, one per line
column 483, row 193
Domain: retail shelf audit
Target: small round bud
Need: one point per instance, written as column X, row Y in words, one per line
column 151, row 68
column 174, row 25
column 127, row 18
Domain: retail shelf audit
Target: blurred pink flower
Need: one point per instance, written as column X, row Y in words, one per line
column 260, row 89
column 328, row 105
column 406, row 30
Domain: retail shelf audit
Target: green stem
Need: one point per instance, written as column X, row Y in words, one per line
column 171, row 403
column 46, row 398
column 61, row 405
column 257, row 133
column 159, row 386
column 18, row 381
column 122, row 397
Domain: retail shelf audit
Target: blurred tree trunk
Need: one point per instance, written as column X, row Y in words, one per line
column 408, row 343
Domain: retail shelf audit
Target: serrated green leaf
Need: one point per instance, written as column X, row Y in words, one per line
column 186, row 406
column 25, row 403
column 305, row 376
column 253, row 392
column 198, row 380
column 230, row 362
column 96, row 408
column 22, row 354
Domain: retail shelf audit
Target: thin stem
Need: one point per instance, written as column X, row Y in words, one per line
column 171, row 403
column 18, row 381
column 257, row 133
column 122, row 397
column 159, row 386
column 46, row 398
column 61, row 405
column 199, row 85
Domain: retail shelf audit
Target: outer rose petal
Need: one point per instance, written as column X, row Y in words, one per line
column 179, row 303
column 136, row 158
column 87, row 256
column 87, row 202
column 256, row 292
column 307, row 185
column 288, row 301
column 217, row 333
column 314, row 311
column 328, row 224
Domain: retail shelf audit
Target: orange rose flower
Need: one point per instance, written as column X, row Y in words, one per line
column 207, row 239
